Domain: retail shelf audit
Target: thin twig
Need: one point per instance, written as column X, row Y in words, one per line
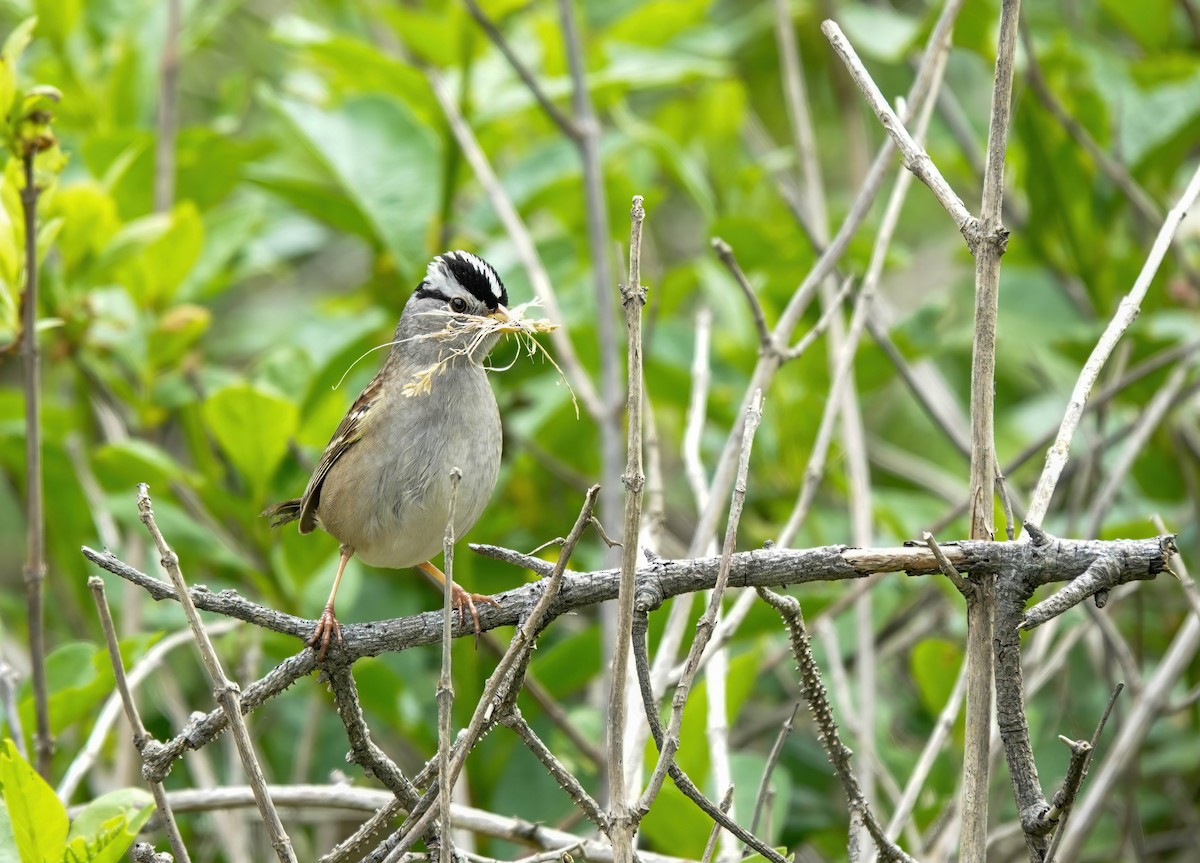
column 445, row 687
column 151, row 661
column 226, row 691
column 587, row 142
column 349, row 799
column 768, row 364
column 1126, row 747
column 1147, row 422
column 641, row 624
column 831, row 311
column 503, row 682
column 514, row 720
column 915, row 157
column 725, row 253
column 633, row 298
column 818, row 703
column 1127, row 311
column 764, row 784
column 948, row 569
column 140, row 737
column 166, row 122
column 35, row 515
column 841, row 377
column 711, row 845
column 666, row 755
column 564, row 123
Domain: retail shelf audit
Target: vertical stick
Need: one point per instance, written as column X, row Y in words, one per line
column 445, row 687
column 599, row 249
column 35, row 516
column 227, row 693
column 164, row 146
column 633, row 297
column 980, row 609
column 140, row 737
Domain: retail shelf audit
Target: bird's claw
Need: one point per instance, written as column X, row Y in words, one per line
column 465, row 602
column 327, row 629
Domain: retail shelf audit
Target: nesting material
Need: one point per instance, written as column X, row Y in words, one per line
column 478, row 329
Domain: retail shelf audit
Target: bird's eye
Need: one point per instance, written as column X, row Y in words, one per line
column 458, row 304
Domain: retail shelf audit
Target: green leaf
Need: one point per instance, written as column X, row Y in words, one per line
column 934, row 663
column 1147, row 21
column 79, row 678
column 90, row 224
column 8, row 842
column 14, row 46
column 878, row 32
column 109, row 841
column 107, row 826
column 383, row 159
column 39, row 820
column 252, row 427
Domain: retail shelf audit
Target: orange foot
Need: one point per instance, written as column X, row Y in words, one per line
column 465, row 602
column 327, row 629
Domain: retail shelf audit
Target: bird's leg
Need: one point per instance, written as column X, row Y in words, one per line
column 327, row 625
column 463, row 600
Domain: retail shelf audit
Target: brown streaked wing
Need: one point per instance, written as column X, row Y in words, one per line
column 346, row 436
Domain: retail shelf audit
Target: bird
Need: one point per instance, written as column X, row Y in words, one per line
column 382, row 487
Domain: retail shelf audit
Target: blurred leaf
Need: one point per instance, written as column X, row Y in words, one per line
column 39, row 820
column 123, row 464
column 383, row 159
column 57, row 18
column 252, row 427
column 1149, row 22
column 10, row 56
column 134, row 805
column 878, row 32
column 91, row 225
column 934, row 664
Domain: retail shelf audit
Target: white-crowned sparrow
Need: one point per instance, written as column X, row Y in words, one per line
column 382, row 486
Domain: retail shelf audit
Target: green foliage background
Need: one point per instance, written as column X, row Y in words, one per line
column 198, row 349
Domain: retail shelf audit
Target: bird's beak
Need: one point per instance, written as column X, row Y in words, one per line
column 501, row 314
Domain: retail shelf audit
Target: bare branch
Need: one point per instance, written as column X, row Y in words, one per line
column 1127, row 311
column 564, row 123
column 704, row 628
column 140, row 737
column 1148, row 420
column 964, row 587
column 725, row 253
column 818, row 703
column 166, row 121
column 760, row 799
column 562, row 776
column 641, row 620
column 711, row 845
column 445, row 686
column 150, row 661
column 633, row 297
column 227, row 692
column 768, row 364
column 915, row 157
column 35, row 514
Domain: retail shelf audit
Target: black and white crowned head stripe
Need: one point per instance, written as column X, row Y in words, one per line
column 470, row 272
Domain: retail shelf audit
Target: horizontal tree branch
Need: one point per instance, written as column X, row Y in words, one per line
column 1039, row 563
column 1057, row 560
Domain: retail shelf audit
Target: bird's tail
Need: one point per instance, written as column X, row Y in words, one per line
column 283, row 512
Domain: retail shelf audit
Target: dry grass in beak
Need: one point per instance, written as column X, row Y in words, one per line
column 477, row 329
